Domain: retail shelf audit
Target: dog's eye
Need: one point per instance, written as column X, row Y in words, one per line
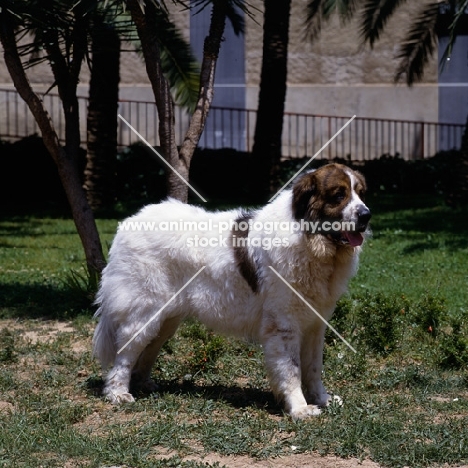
column 338, row 196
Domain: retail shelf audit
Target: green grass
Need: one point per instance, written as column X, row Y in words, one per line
column 405, row 391
column 420, row 249
column 37, row 256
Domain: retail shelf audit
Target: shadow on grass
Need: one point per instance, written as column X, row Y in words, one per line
column 424, row 223
column 40, row 301
column 234, row 395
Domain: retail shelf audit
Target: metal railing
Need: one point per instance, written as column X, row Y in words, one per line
column 303, row 134
column 367, row 138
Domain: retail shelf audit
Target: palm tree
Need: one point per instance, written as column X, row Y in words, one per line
column 272, row 96
column 65, row 47
column 111, row 26
column 146, row 19
column 416, row 49
column 62, row 31
column 420, row 41
column 99, row 173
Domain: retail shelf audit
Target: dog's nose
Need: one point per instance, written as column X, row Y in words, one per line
column 363, row 216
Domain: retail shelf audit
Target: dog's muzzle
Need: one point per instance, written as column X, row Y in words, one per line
column 363, row 217
column 354, row 238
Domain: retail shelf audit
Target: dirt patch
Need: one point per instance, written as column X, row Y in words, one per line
column 47, row 331
column 38, row 331
column 6, row 407
column 293, row 460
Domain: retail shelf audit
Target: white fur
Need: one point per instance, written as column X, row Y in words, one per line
column 350, row 212
column 146, row 268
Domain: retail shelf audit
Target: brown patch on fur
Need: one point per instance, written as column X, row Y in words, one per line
column 323, row 194
column 244, row 262
column 360, row 186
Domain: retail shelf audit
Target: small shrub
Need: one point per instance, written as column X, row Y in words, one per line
column 207, row 347
column 341, row 319
column 453, row 346
column 7, row 346
column 370, row 319
column 378, row 319
column 205, row 355
column 428, row 314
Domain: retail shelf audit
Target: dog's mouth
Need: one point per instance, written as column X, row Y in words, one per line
column 351, row 238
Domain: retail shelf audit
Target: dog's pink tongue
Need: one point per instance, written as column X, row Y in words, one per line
column 355, row 239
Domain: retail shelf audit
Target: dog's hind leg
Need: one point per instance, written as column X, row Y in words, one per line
column 131, row 340
column 142, row 371
column 116, row 388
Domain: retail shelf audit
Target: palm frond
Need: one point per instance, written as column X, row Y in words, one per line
column 456, row 12
column 419, row 45
column 344, row 8
column 246, row 7
column 38, row 19
column 318, row 11
column 313, row 21
column 375, row 15
column 177, row 61
column 236, row 19
column 462, row 6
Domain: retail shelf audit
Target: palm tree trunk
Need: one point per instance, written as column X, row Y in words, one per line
column 147, row 31
column 146, row 26
column 272, row 96
column 64, row 159
column 102, row 116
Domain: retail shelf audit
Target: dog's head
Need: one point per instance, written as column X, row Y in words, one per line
column 333, row 196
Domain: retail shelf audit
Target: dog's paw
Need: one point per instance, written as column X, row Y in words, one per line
column 118, row 397
column 304, row 412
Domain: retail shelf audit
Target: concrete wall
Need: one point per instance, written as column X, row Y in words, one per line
column 334, row 75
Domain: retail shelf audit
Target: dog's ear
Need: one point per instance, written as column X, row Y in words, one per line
column 303, row 190
column 362, row 180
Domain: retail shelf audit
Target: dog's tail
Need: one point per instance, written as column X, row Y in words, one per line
column 104, row 339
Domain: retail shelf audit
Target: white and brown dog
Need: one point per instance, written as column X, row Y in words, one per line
column 246, row 256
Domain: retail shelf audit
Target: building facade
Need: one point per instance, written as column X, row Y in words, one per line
column 335, row 75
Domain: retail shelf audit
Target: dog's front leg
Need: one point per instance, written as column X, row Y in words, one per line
column 312, row 363
column 282, row 350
